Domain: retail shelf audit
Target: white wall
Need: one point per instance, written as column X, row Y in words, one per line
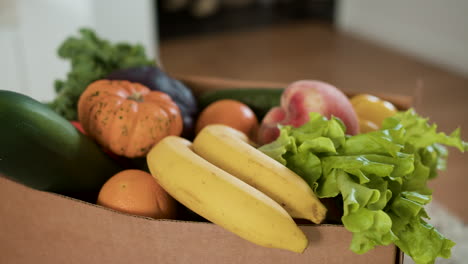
column 433, row 30
column 127, row 20
column 42, row 26
column 32, row 30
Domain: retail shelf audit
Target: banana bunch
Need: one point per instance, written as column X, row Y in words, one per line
column 221, row 177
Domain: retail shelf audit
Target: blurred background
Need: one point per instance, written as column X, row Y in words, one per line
column 416, row 48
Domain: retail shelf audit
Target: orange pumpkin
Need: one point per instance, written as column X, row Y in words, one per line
column 127, row 118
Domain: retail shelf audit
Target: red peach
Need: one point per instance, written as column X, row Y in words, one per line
column 268, row 130
column 302, row 97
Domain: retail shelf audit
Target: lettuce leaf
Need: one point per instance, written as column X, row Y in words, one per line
column 381, row 177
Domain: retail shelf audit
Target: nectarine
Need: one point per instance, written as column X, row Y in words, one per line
column 305, row 96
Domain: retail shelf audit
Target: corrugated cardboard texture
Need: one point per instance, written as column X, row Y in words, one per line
column 41, row 227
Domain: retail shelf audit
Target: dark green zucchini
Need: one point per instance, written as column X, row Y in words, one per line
column 42, row 150
column 260, row 100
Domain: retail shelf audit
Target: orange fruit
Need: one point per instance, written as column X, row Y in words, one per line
column 137, row 192
column 231, row 113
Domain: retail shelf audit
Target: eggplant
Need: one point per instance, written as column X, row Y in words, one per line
column 157, row 80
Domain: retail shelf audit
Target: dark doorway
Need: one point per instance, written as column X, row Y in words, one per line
column 178, row 18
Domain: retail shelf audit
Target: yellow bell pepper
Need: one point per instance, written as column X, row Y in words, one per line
column 371, row 111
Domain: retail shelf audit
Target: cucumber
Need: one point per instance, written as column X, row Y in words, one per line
column 260, row 100
column 42, row 150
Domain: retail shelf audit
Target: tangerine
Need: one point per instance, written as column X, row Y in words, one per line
column 229, row 112
column 137, row 192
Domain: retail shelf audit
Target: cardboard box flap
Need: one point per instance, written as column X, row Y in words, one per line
column 200, row 84
column 42, row 227
column 58, row 229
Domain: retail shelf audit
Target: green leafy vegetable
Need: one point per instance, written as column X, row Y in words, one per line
column 91, row 59
column 380, row 176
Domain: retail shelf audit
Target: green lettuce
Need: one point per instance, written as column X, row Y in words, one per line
column 381, row 177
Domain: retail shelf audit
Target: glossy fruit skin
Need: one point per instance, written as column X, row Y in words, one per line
column 136, row 192
column 222, row 198
column 260, row 100
column 158, row 80
column 43, row 150
column 127, row 118
column 301, row 98
column 371, row 111
column 231, row 113
column 229, row 150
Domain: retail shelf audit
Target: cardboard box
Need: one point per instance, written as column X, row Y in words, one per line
column 43, row 227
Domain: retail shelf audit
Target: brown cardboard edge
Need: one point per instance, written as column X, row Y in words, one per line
column 398, row 257
column 74, row 200
column 200, row 84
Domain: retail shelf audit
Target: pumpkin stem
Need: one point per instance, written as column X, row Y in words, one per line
column 136, row 96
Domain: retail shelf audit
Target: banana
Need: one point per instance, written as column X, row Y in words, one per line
column 222, row 198
column 229, row 149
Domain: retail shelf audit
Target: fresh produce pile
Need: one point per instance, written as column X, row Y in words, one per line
column 380, row 177
column 93, row 59
column 125, row 135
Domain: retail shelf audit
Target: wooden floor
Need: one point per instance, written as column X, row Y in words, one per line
column 314, row 51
